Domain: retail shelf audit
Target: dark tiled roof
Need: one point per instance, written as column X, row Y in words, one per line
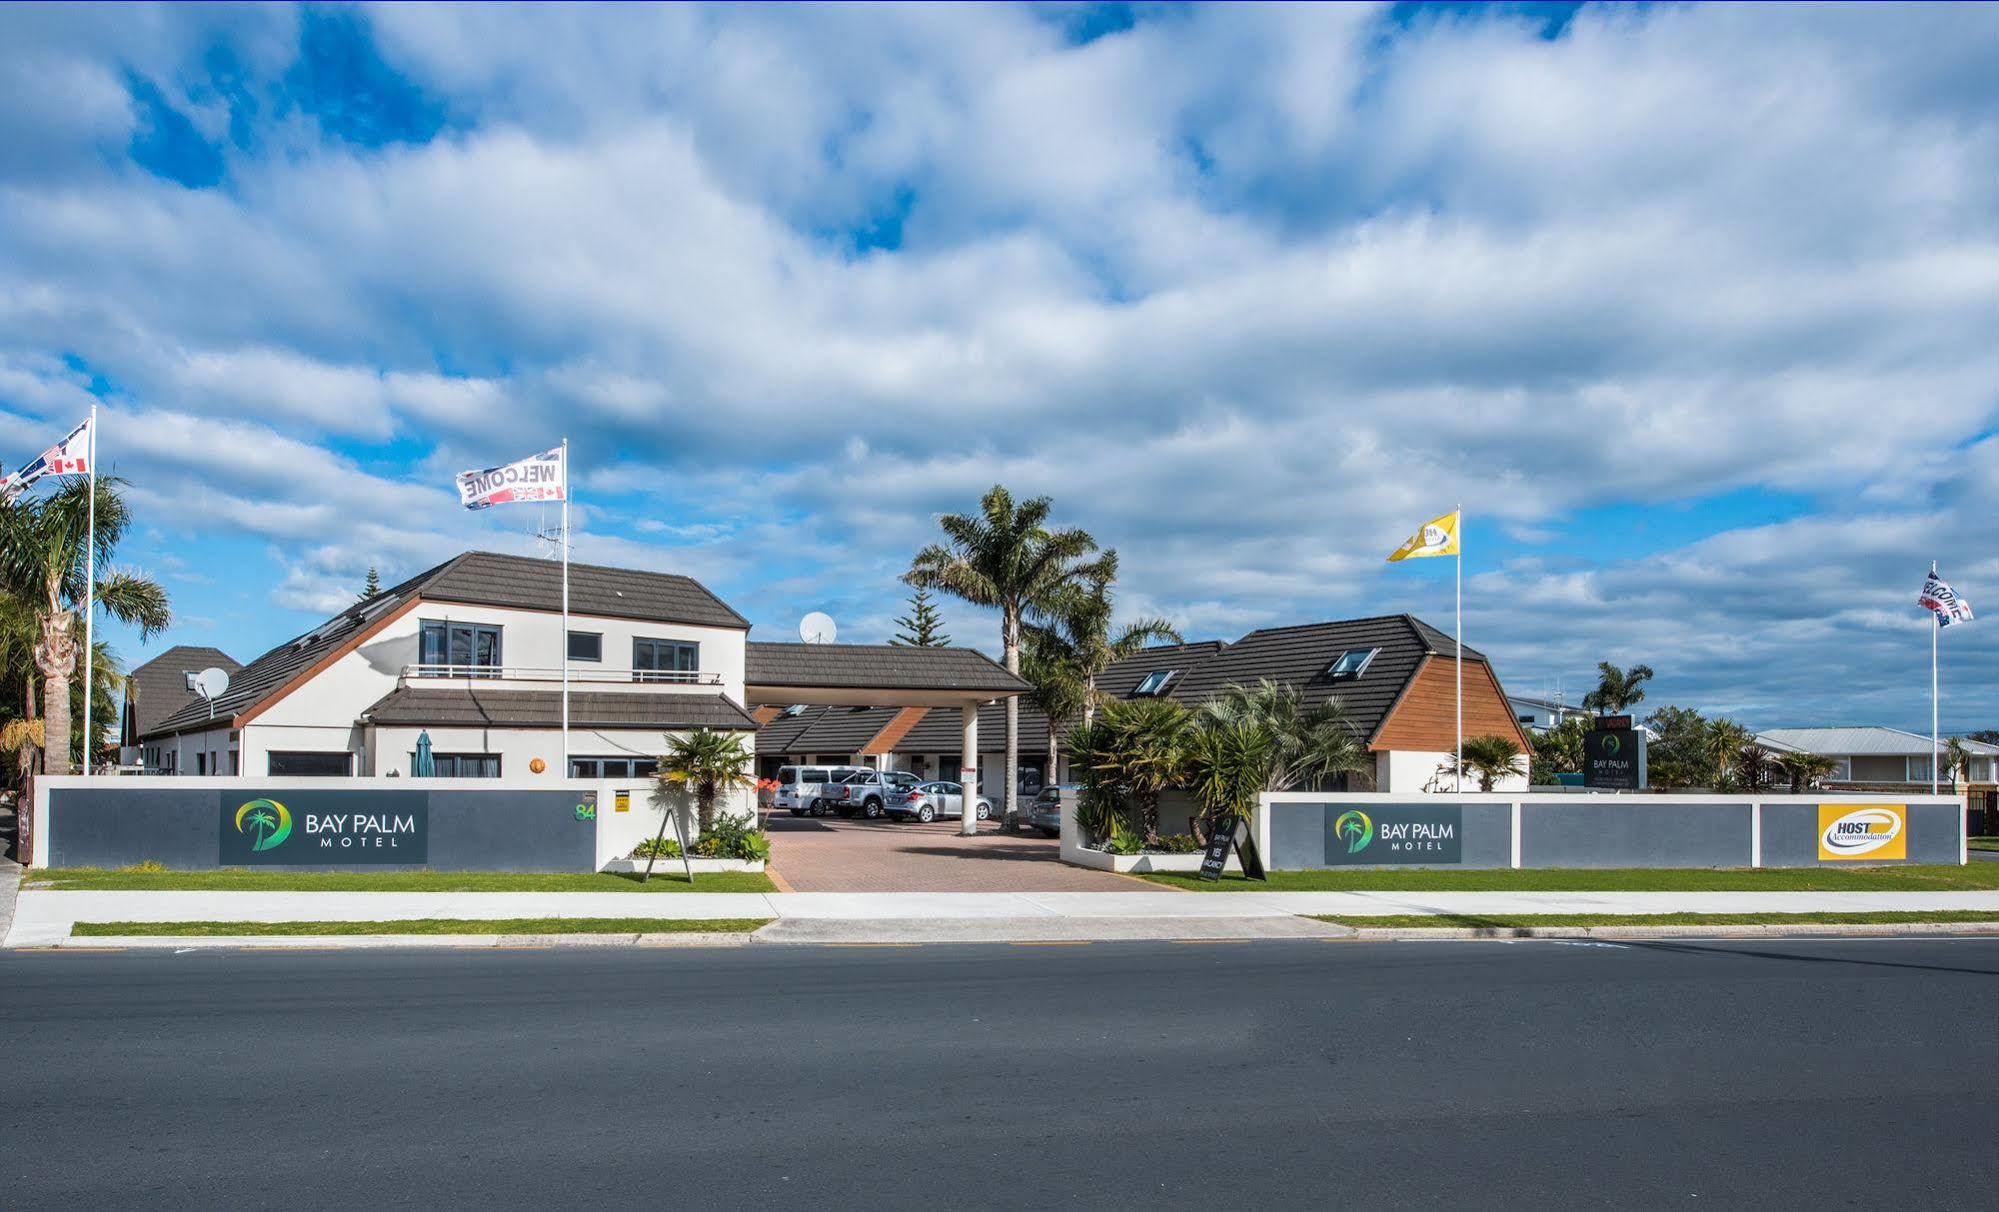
column 942, row 730
column 158, row 688
column 484, row 578
column 876, row 667
column 481, row 578
column 778, row 735
column 1300, row 655
column 475, row 707
column 843, row 729
column 1122, row 678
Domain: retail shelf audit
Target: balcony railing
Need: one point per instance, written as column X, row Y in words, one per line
column 537, row 673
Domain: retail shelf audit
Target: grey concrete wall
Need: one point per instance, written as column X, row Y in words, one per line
column 128, row 821
column 1627, row 832
column 1791, row 834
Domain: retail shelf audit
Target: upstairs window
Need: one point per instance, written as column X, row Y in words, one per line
column 586, row 646
column 665, row 660
column 1351, row 663
column 459, row 649
column 1154, row 684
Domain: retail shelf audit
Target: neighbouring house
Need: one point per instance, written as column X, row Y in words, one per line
column 471, row 652
column 1538, row 715
column 1395, row 674
column 1873, row 758
column 156, row 690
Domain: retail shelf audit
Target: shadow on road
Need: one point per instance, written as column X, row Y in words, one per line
column 1736, row 952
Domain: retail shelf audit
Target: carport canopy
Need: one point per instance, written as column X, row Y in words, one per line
column 873, row 675
column 882, row 675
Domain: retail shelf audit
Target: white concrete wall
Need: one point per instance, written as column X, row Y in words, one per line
column 517, row 747
column 618, row 832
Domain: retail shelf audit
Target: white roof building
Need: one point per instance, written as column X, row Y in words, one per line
column 1873, row 754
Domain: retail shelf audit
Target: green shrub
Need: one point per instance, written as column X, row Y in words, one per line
column 1178, row 843
column 657, row 847
column 733, row 839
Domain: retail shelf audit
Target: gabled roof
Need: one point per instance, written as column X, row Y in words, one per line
column 1861, row 741
column 158, row 688
column 842, row 729
column 1124, row 677
column 476, row 578
column 477, row 707
column 1301, row 655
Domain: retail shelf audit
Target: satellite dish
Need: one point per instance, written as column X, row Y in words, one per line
column 210, row 683
column 817, row 628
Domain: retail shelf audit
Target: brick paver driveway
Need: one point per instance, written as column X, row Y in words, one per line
column 827, row 854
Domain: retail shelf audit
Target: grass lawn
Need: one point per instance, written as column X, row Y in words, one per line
column 1418, row 921
column 1984, row 843
column 239, row 879
column 1911, row 878
column 433, row 925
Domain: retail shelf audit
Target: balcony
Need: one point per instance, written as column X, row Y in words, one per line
column 552, row 675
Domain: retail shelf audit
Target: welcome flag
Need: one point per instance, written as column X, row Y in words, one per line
column 542, row 477
column 69, row 457
column 1937, row 596
column 1439, row 537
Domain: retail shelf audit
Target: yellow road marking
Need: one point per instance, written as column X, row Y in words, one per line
column 1197, row 942
column 1049, row 942
column 871, row 944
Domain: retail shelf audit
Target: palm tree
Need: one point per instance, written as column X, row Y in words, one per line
column 1559, row 750
column 1616, row 689
column 1006, row 557
column 709, row 763
column 1141, row 747
column 1057, row 692
column 1803, row 769
column 1956, row 761
column 43, row 554
column 1228, row 762
column 1308, row 745
column 1078, row 633
column 1721, row 747
column 1491, row 758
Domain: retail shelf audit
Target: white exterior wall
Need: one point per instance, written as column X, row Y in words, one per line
column 1399, row 771
column 322, row 714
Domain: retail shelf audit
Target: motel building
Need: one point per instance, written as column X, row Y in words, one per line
column 471, row 653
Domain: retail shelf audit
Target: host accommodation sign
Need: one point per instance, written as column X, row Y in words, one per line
column 299, row 828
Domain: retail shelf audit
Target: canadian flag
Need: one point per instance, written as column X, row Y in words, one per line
column 69, row 457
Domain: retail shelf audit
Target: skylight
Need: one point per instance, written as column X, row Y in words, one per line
column 1351, row 663
column 1154, row 684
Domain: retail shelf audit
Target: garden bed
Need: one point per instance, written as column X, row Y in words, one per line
column 1142, row 864
column 700, row 866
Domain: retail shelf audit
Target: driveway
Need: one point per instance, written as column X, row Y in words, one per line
column 827, row 854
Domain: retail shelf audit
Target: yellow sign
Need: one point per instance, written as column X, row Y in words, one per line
column 1863, row 831
column 622, row 802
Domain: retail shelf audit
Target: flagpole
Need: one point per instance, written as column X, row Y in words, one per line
column 1460, row 755
column 565, row 607
column 1936, row 625
column 90, row 594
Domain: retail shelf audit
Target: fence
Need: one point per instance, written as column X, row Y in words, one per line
column 350, row 824
column 1304, row 830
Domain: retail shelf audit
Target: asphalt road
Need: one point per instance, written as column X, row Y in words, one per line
column 1272, row 1074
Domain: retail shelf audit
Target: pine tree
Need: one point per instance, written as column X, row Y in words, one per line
column 373, row 587
column 920, row 625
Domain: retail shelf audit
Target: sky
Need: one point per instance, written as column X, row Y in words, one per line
column 1693, row 309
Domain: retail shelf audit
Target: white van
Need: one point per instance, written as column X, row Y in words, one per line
column 799, row 786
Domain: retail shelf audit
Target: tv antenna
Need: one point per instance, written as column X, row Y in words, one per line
column 210, row 684
column 818, row 628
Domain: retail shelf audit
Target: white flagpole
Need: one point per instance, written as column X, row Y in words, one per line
column 565, row 608
column 1458, row 524
column 1936, row 625
column 90, row 593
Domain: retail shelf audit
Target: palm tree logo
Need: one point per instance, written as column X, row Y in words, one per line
column 1355, row 828
column 267, row 822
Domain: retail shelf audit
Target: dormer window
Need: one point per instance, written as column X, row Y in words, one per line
column 1351, row 663
column 1154, row 684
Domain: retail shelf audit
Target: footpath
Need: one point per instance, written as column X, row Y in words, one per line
column 44, row 917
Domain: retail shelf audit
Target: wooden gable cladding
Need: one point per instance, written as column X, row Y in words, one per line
column 892, row 733
column 1424, row 719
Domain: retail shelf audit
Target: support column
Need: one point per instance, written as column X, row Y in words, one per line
column 968, row 771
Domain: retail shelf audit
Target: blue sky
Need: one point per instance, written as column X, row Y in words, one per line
column 1692, row 307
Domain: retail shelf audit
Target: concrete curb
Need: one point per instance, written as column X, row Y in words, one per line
column 807, row 931
column 1797, row 930
column 323, row 942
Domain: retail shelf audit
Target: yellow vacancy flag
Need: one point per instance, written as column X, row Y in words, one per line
column 1439, row 537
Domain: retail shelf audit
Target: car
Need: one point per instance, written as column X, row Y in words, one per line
column 1044, row 811
column 799, row 786
column 865, row 791
column 927, row 802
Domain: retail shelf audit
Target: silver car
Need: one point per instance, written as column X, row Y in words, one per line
column 929, row 801
column 1044, row 811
